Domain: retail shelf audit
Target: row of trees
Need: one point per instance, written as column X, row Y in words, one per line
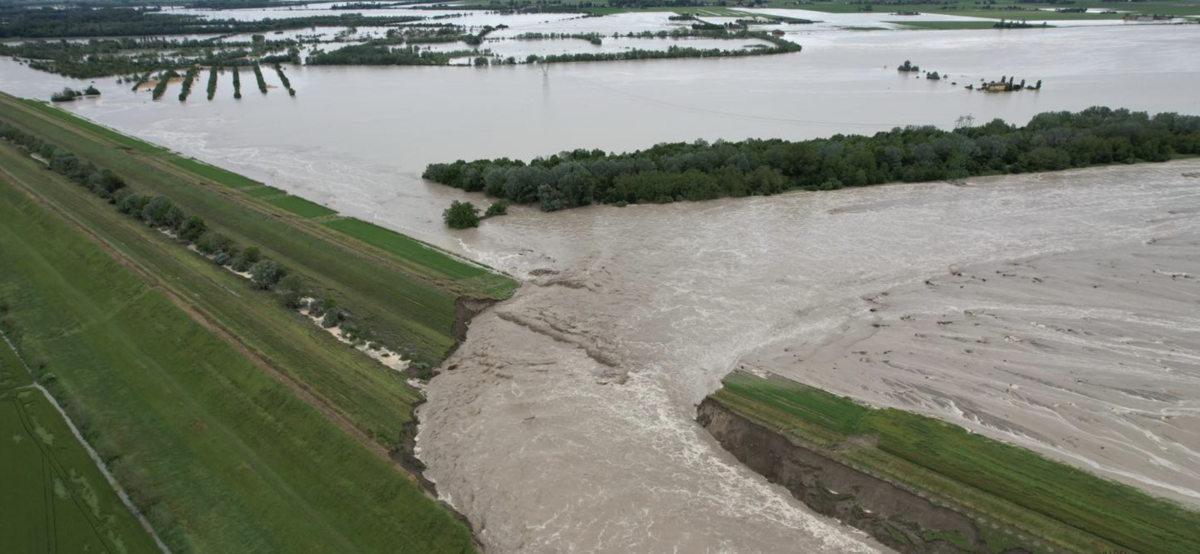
column 164, row 79
column 379, row 53
column 262, row 83
column 287, row 83
column 162, row 213
column 700, row 171
column 68, row 94
column 188, row 79
column 75, row 20
column 123, row 56
column 212, row 82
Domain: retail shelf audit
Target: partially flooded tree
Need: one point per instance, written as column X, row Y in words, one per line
column 461, row 215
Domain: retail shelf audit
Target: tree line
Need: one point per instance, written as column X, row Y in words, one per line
column 73, row 20
column 104, row 57
column 188, row 78
column 262, row 83
column 700, row 170
column 163, row 214
column 287, row 83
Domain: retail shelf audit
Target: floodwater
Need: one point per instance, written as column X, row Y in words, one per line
column 564, row 422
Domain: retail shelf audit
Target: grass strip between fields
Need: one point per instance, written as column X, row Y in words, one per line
column 1053, row 502
column 220, row 456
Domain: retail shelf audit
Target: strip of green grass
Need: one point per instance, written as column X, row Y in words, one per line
column 407, row 248
column 222, row 457
column 122, row 140
column 262, row 191
column 1000, row 482
column 211, row 172
column 409, row 303
column 302, row 207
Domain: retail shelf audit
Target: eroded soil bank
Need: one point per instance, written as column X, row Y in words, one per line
column 897, row 517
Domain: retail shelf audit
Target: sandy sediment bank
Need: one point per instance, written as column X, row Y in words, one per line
column 1088, row 357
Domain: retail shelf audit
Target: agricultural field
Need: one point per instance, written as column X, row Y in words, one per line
column 56, row 500
column 1055, row 503
column 218, row 449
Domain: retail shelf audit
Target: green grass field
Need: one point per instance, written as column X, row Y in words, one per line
column 222, row 457
column 301, row 207
column 1061, row 505
column 407, row 301
column 55, row 499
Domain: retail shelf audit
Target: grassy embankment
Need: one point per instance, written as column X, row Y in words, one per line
column 1065, row 507
column 232, row 419
column 55, row 499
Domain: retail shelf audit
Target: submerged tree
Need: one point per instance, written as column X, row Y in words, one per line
column 461, row 215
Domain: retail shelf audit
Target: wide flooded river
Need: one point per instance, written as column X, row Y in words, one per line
column 564, row 422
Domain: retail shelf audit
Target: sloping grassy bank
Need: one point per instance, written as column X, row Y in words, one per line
column 1013, row 498
column 220, row 456
column 408, row 299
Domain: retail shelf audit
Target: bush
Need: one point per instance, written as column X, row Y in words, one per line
column 154, row 213
column 461, row 215
column 499, row 207
column 213, row 243
column 174, row 218
column 132, row 204
column 266, row 273
column 246, row 259
column 333, row 316
column 192, row 228
column 316, row 307
column 293, row 289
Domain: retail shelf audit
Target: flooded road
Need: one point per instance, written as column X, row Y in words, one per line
column 565, row 422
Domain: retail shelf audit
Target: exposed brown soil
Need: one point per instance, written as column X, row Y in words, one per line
column 882, row 509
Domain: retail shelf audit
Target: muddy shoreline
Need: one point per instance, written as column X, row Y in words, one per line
column 406, row 456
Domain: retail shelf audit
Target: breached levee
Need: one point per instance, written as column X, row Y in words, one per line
column 920, row 485
column 895, row 516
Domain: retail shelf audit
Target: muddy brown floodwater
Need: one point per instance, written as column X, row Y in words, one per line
column 1055, row 311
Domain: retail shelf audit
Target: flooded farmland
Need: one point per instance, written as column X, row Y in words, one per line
column 565, row 422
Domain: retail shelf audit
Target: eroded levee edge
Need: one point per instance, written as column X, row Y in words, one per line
column 897, row 517
column 465, row 310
